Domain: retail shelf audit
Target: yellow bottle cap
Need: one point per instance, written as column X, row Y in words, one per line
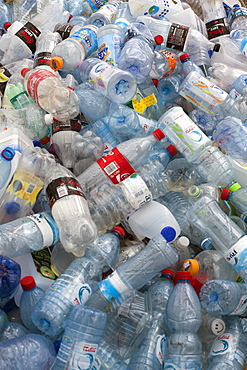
column 236, row 186
column 56, row 63
column 192, row 266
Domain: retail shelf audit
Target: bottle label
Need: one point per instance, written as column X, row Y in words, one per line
column 171, row 60
column 234, row 94
column 87, row 38
column 82, row 354
column 28, row 34
column 20, row 100
column 100, row 75
column 161, row 344
column 113, row 287
column 62, row 187
column 235, row 13
column 4, row 77
column 236, row 255
column 72, row 125
column 177, row 37
column 241, row 307
column 187, row 136
column 109, row 51
column 34, row 80
column 202, row 93
column 42, row 59
column 77, row 294
column 136, row 191
column 109, row 11
column 64, row 30
column 115, row 166
column 96, row 4
column 217, row 28
column 26, row 186
column 222, row 344
column 44, row 227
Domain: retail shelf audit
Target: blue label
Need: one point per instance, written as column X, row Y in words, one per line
column 87, row 38
column 53, row 226
column 108, row 290
column 96, row 4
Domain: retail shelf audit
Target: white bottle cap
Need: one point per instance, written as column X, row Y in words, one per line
column 182, row 243
column 48, row 119
column 217, row 326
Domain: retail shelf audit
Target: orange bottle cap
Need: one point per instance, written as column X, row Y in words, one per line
column 192, row 266
column 56, row 63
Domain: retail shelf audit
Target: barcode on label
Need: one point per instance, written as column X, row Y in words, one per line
column 30, row 188
column 139, row 193
column 62, row 191
column 111, row 168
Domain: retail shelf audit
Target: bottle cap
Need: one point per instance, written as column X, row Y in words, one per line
column 192, row 266
column 236, row 186
column 45, row 140
column 11, row 208
column 24, row 71
column 217, row 326
column 194, row 191
column 8, row 153
column 119, row 230
column 168, row 233
column 182, row 243
column 172, row 150
column 155, row 82
column 36, row 143
column 183, row 275
column 28, row 283
column 7, row 25
column 167, row 272
column 48, row 119
column 225, row 193
column 159, row 134
column 184, row 57
column 56, row 63
column 159, row 39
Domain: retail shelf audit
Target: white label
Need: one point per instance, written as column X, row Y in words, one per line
column 83, row 354
column 101, row 74
column 237, row 255
column 241, row 307
column 113, row 287
column 202, row 93
column 136, row 191
column 77, row 293
column 44, row 228
column 234, row 94
column 222, row 344
column 161, row 343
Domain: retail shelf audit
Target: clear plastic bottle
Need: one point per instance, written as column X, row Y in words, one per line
column 26, row 183
column 86, row 146
column 238, row 86
column 45, row 44
column 10, row 274
column 135, row 272
column 48, row 91
column 188, row 66
column 90, row 97
column 113, row 82
column 237, row 196
column 228, row 351
column 105, row 15
column 197, row 191
column 164, row 63
column 70, row 210
column 184, row 317
column 169, row 86
column 18, row 96
column 83, row 332
column 30, row 296
column 74, row 286
column 117, row 164
column 211, row 327
column 151, row 352
column 76, row 44
column 39, row 353
column 10, row 330
column 205, row 121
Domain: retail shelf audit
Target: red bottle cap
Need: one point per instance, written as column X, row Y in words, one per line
column 183, row 275
column 24, row 71
column 119, row 230
column 167, row 272
column 7, row 25
column 155, row 82
column 28, row 283
column 184, row 56
column 172, row 150
column 159, row 39
column 225, row 194
column 159, row 134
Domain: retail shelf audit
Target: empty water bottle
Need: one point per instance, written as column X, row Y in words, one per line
column 237, row 196
column 10, row 330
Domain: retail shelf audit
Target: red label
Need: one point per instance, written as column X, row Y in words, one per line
column 34, row 81
column 115, row 166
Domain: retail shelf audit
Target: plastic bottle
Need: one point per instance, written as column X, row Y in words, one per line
column 39, row 353
column 5, row 165
column 210, row 164
column 228, row 351
column 10, row 273
column 74, row 286
column 124, row 17
column 30, row 296
column 151, row 352
column 169, row 86
column 237, row 196
column 70, row 210
column 138, row 52
column 116, row 84
column 117, row 164
column 205, row 121
column 23, row 43
column 224, row 234
column 88, row 98
column 26, row 183
column 209, row 265
column 184, row 318
column 48, row 91
column 76, row 44
column 87, row 146
column 214, row 16
column 135, row 272
column 195, row 192
column 6, row 15
column 211, row 327
column 83, row 332
column 128, row 250
column 164, row 63
column 237, row 87
column 18, row 96
column 105, row 15
column 45, row 44
column 107, row 357
column 188, row 66
column 10, row 330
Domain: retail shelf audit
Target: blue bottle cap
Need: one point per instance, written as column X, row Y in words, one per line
column 36, row 143
column 8, row 153
column 11, row 208
column 169, row 233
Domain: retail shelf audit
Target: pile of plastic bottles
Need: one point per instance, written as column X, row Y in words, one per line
column 123, row 186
